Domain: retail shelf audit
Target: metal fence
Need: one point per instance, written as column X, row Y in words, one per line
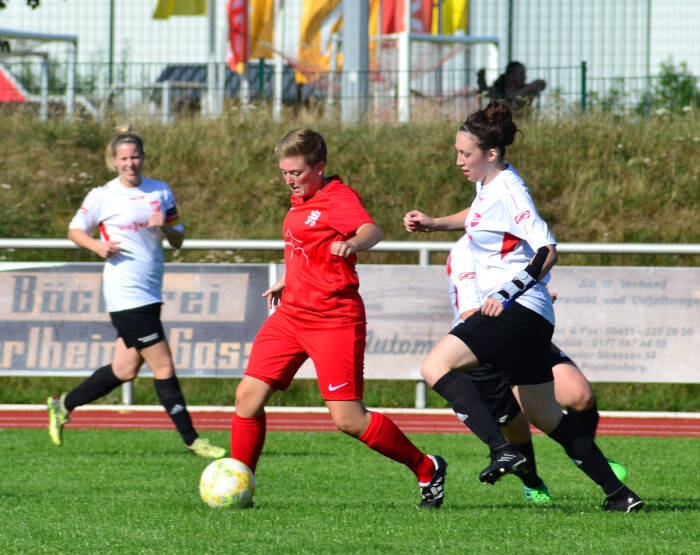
column 182, row 90
column 594, row 54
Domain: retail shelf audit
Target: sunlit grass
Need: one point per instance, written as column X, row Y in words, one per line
column 136, row 492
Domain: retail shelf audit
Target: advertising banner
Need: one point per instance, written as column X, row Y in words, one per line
column 617, row 324
column 53, row 320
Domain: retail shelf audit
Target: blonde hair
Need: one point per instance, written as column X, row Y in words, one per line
column 122, row 134
column 303, row 142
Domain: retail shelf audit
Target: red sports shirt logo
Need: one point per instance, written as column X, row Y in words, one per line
column 522, row 216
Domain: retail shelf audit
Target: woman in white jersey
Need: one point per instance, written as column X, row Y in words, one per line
column 571, row 388
column 512, row 251
column 133, row 214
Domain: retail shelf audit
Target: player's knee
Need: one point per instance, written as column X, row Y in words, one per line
column 126, row 373
column 431, row 372
column 249, row 401
column 349, row 426
column 584, row 399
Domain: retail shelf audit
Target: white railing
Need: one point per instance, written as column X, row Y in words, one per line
column 423, row 248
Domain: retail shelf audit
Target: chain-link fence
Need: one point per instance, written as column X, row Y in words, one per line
column 592, row 54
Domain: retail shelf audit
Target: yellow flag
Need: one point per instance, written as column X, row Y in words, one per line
column 454, row 17
column 166, row 8
column 260, row 27
column 319, row 21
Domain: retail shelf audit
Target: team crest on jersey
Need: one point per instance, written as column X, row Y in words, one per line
column 522, row 216
column 475, row 219
column 313, row 217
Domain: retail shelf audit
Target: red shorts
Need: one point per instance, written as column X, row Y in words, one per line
column 284, row 343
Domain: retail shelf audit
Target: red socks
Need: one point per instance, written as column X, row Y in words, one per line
column 382, row 435
column 247, row 439
column 386, row 438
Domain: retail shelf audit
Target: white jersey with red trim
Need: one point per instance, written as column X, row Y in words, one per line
column 133, row 277
column 464, row 293
column 505, row 231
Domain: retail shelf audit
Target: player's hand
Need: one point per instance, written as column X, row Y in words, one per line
column 157, row 218
column 491, row 307
column 343, row 248
column 274, row 294
column 417, row 221
column 105, row 249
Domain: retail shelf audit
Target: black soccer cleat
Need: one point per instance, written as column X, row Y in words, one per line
column 432, row 494
column 504, row 462
column 623, row 500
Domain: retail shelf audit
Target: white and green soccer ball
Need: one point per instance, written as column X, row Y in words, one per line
column 227, row 483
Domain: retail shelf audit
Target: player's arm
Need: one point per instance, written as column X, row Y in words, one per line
column 540, row 264
column 174, row 234
column 415, row 220
column 366, row 236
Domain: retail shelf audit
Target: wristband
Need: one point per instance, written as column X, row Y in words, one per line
column 514, row 288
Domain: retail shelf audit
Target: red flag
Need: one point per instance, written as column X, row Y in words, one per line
column 393, row 16
column 237, row 34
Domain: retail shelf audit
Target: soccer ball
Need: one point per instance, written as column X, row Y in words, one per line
column 227, row 483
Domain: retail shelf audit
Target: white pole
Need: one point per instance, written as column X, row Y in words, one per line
column 277, row 81
column 404, row 77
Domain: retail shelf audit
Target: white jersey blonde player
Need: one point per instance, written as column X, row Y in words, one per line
column 134, row 214
column 133, row 276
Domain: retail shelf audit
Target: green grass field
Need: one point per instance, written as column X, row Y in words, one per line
column 137, row 492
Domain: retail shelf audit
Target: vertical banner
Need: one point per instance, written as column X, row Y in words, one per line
column 260, row 28
column 454, row 17
column 393, row 12
column 237, row 34
column 319, row 21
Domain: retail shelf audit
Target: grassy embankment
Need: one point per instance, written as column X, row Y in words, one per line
column 593, row 178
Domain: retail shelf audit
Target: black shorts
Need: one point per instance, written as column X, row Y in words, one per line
column 495, row 390
column 139, row 327
column 518, row 341
column 559, row 357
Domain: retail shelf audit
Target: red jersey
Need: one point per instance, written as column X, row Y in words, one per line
column 319, row 284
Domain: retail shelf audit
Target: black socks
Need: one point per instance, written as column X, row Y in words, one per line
column 587, row 418
column 585, row 453
column 101, row 382
column 529, row 477
column 173, row 402
column 464, row 398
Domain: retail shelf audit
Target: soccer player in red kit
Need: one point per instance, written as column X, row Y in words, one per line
column 319, row 314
